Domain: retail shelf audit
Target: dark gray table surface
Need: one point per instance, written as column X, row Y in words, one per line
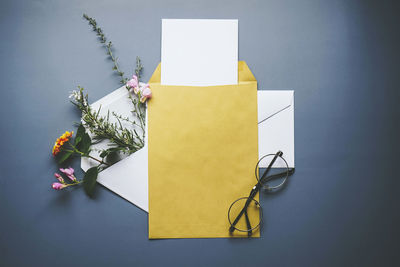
column 341, row 58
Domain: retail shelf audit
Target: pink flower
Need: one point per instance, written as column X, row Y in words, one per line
column 69, row 172
column 146, row 93
column 58, row 186
column 133, row 83
column 59, row 178
column 136, row 90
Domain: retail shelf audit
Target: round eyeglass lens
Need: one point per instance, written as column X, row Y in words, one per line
column 276, row 176
column 254, row 214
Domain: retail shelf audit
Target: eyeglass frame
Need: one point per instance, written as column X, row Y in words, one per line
column 256, row 189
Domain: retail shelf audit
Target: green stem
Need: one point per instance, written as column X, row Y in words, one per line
column 136, row 102
column 116, row 67
column 100, row 161
column 75, row 183
column 85, row 155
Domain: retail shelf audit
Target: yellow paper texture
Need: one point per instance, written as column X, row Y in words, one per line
column 203, row 148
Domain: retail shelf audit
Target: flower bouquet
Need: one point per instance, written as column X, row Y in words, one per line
column 119, row 135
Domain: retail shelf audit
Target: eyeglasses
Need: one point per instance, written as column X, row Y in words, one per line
column 273, row 179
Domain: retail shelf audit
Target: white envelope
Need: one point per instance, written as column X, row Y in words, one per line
column 276, row 124
column 129, row 177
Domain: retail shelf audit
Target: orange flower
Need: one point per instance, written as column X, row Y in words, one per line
column 61, row 141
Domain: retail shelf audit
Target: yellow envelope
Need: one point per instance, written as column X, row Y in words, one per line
column 203, row 148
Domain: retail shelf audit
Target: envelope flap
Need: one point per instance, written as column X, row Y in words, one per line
column 277, row 102
column 156, row 77
column 244, row 74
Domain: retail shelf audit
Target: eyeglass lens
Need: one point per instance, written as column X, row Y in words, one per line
column 251, row 217
column 277, row 174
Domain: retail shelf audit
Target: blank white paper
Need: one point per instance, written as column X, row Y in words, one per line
column 199, row 52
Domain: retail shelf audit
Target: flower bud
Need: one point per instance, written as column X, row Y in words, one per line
column 58, row 186
column 67, row 171
column 133, row 83
column 146, row 93
column 59, row 178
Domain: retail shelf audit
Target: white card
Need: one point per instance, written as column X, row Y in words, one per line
column 199, row 52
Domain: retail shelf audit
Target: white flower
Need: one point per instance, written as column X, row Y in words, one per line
column 74, row 95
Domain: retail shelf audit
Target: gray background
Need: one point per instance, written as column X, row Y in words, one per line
column 341, row 58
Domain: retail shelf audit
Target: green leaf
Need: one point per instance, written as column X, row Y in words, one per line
column 64, row 157
column 85, row 143
column 83, row 140
column 104, row 153
column 77, row 140
column 89, row 180
column 79, row 133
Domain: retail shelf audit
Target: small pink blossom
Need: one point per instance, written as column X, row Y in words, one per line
column 69, row 172
column 58, row 186
column 136, row 90
column 133, row 83
column 59, row 178
column 145, row 93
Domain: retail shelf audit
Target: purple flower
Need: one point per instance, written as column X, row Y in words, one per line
column 133, row 83
column 69, row 172
column 136, row 90
column 59, row 178
column 145, row 93
column 58, row 186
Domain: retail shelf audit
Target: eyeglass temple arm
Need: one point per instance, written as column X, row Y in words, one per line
column 254, row 192
column 278, row 154
column 244, row 210
column 278, row 175
column 249, row 232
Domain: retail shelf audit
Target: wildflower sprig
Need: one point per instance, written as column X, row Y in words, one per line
column 126, row 141
column 69, row 172
column 138, row 111
column 88, row 181
column 120, row 138
column 80, row 145
column 64, row 148
column 108, row 45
